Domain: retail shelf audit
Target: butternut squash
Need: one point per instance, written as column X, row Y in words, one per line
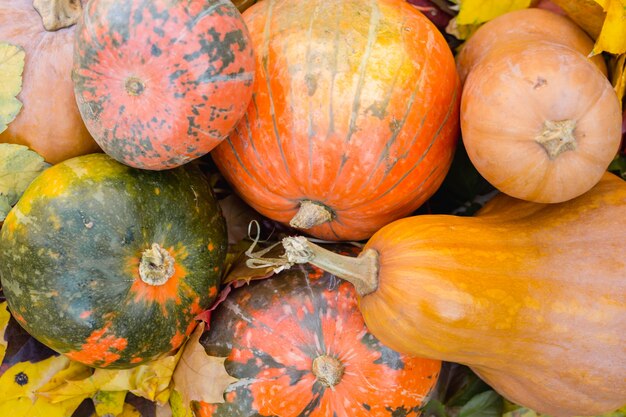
column 531, row 296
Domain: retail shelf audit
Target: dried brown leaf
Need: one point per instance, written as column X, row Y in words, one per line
column 198, row 376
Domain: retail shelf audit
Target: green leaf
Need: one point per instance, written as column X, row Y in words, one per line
column 485, row 404
column 618, row 166
column 179, row 409
column 434, row 408
column 109, row 402
column 468, row 386
column 19, row 166
column 11, row 68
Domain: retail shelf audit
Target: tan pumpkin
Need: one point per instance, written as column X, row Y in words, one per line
column 531, row 296
column 527, row 25
column 539, row 121
column 49, row 121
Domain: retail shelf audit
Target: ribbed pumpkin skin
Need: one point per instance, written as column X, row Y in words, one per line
column 161, row 82
column 531, row 296
column 49, row 121
column 272, row 331
column 71, row 247
column 355, row 106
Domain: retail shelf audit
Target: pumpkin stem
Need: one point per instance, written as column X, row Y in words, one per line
column 311, row 213
column 156, row 265
column 557, row 137
column 58, row 14
column 362, row 271
column 327, row 370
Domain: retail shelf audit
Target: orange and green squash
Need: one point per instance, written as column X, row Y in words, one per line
column 354, row 116
column 539, row 120
column 299, row 347
column 159, row 82
column 108, row 264
column 531, row 296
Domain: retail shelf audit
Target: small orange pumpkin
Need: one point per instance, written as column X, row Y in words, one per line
column 539, row 121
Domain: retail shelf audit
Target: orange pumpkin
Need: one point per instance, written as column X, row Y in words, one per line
column 49, row 121
column 527, row 25
column 531, row 296
column 539, row 121
column 354, row 115
column 299, row 342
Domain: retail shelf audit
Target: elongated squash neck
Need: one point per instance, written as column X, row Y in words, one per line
column 362, row 271
column 156, row 266
column 58, row 14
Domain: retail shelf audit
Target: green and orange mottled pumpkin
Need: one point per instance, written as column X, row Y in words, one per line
column 299, row 346
column 109, row 264
column 161, row 82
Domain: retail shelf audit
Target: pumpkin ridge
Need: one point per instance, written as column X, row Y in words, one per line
column 356, row 103
column 396, row 133
column 251, row 141
column 418, row 162
column 264, row 60
column 309, row 67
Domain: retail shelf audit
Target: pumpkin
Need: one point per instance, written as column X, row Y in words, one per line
column 539, row 121
column 108, row 264
column 354, row 116
column 526, row 25
column 49, row 121
column 531, row 296
column 300, row 344
column 160, row 83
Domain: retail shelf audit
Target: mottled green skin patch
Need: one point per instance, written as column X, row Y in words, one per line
column 67, row 250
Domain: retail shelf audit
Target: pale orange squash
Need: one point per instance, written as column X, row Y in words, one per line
column 531, row 296
column 527, row 25
column 49, row 121
column 539, row 120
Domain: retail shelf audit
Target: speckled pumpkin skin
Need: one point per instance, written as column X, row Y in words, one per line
column 161, row 82
column 272, row 331
column 70, row 250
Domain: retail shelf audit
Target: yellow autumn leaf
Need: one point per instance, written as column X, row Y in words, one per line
column 129, row 411
column 19, row 166
column 25, row 378
column 474, row 12
column 19, row 385
column 585, row 13
column 526, row 412
column 150, row 381
column 11, row 67
column 612, row 37
column 25, row 407
column 109, row 403
column 4, row 321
